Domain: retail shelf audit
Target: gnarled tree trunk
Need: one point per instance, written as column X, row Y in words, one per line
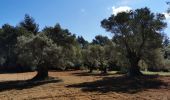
column 42, row 72
column 104, row 71
column 91, row 69
column 134, row 69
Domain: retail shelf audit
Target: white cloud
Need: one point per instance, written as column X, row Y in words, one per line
column 120, row 9
column 167, row 16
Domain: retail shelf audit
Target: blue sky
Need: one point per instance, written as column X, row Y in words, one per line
column 81, row 17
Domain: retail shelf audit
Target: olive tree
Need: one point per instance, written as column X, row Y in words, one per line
column 90, row 57
column 136, row 32
column 97, row 57
column 39, row 51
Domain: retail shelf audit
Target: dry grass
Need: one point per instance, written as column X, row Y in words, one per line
column 157, row 73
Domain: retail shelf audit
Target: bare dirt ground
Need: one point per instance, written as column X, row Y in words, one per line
column 78, row 85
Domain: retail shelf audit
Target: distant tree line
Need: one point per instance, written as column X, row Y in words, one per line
column 138, row 43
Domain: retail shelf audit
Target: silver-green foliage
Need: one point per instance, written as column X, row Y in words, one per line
column 38, row 49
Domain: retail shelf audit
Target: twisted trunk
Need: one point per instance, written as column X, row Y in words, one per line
column 42, row 72
column 91, row 69
column 134, row 69
column 104, row 70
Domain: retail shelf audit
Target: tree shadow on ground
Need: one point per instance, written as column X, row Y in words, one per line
column 25, row 84
column 122, row 84
column 92, row 74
